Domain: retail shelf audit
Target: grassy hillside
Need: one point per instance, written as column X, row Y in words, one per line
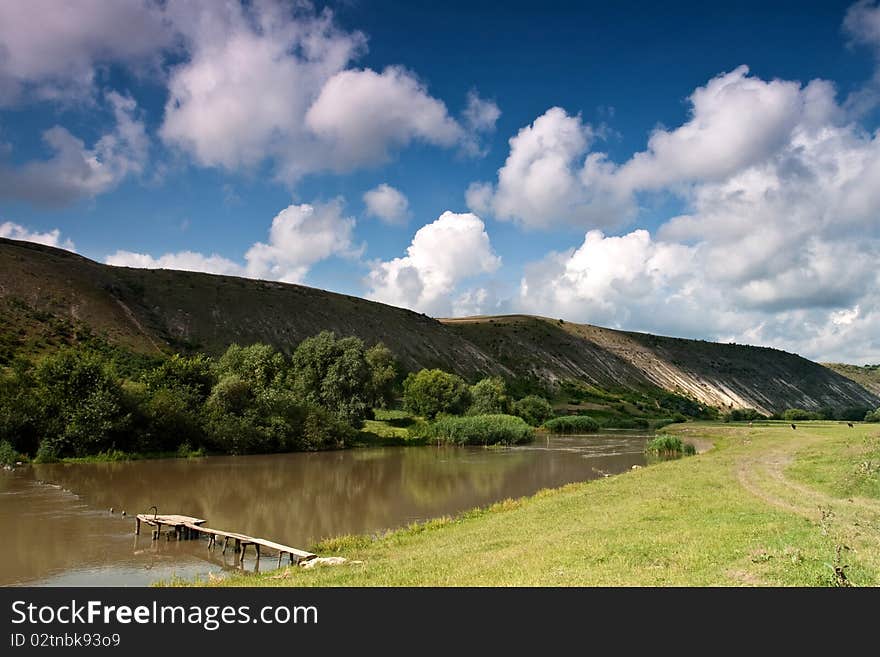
column 50, row 297
column 868, row 376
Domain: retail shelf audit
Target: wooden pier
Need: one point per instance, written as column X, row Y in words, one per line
column 187, row 528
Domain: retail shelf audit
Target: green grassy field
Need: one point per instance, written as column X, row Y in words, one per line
column 767, row 505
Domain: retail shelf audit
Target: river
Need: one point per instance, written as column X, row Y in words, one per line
column 59, row 530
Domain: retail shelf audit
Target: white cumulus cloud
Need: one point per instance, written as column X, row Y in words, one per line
column 182, row 260
column 362, row 114
column 387, row 203
column 444, row 253
column 778, row 240
column 50, row 49
column 263, row 83
column 52, row 237
column 299, row 237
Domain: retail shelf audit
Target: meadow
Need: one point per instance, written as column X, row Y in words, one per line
column 760, row 505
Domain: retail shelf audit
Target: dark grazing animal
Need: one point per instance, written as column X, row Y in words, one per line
column 793, row 426
column 849, row 424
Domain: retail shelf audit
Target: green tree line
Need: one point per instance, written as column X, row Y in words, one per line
column 76, row 402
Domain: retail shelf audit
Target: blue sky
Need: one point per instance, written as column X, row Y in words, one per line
column 670, row 190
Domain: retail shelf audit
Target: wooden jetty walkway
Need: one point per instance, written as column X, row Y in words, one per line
column 187, row 527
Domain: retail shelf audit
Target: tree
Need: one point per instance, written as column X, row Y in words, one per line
column 82, row 403
column 258, row 364
column 20, row 410
column 383, row 371
column 334, row 373
column 489, row 397
column 195, row 374
column 430, row 392
column 533, row 409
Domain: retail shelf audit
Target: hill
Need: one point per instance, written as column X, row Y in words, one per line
column 50, row 297
column 867, row 376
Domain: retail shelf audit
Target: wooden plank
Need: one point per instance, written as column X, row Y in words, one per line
column 301, row 554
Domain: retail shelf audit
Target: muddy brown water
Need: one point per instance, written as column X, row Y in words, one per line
column 58, row 530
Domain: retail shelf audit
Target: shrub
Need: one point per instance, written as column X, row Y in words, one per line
column 431, row 392
column 481, row 430
column 7, row 453
column 489, row 397
column 743, row 415
column 533, row 409
column 572, row 424
column 873, row 416
column 46, row 453
column 666, row 445
column 799, row 414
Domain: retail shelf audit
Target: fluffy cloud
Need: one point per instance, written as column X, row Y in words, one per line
column 542, row 181
column 387, row 203
column 300, row 236
column 242, row 95
column 264, row 84
column 76, row 171
column 551, row 177
column 778, row 244
column 361, row 114
column 15, row 231
column 249, row 84
column 442, row 254
column 183, row 260
column 49, row 49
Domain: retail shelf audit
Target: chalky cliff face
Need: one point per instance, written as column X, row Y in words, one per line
column 49, row 296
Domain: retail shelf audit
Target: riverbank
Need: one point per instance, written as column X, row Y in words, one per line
column 767, row 506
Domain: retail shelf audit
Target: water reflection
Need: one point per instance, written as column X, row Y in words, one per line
column 64, row 534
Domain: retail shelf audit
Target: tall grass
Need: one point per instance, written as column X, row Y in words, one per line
column 572, row 424
column 666, row 445
column 480, row 430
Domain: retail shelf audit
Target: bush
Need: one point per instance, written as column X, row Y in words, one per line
column 47, row 453
column 799, row 415
column 666, row 445
column 572, row 424
column 489, row 397
column 8, row 455
column 743, row 415
column 533, row 409
column 431, row 392
column 873, row 416
column 481, row 430
column 850, row 413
